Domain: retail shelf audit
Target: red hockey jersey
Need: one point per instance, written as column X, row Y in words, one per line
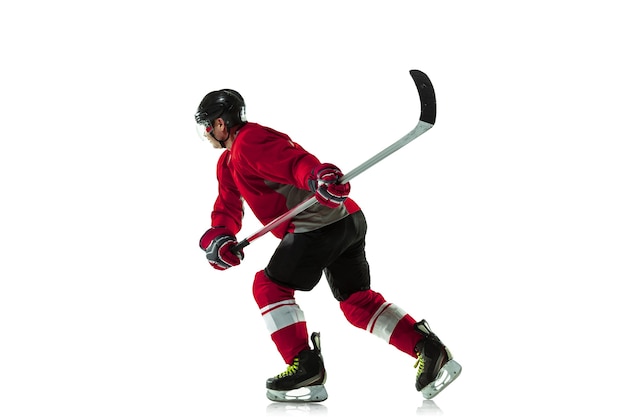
column 269, row 171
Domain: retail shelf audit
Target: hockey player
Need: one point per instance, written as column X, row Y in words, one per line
column 272, row 174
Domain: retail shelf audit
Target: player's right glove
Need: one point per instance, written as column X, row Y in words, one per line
column 217, row 242
column 324, row 181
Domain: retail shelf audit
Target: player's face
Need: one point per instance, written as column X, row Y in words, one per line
column 217, row 133
column 217, row 130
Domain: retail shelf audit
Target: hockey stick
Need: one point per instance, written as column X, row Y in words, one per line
column 428, row 113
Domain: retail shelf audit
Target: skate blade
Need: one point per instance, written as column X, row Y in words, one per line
column 313, row 393
column 448, row 373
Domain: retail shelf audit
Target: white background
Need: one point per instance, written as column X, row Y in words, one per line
column 503, row 226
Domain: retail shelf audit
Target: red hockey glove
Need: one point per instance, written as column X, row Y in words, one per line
column 217, row 243
column 324, row 181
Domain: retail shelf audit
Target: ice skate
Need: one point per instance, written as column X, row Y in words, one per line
column 303, row 381
column 435, row 367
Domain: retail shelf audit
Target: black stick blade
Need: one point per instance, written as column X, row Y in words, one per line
column 427, row 96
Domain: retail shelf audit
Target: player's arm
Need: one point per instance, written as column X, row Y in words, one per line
column 226, row 219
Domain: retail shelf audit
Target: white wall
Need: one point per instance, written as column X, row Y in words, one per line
column 503, row 225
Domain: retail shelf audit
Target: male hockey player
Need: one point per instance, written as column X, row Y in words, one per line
column 272, row 174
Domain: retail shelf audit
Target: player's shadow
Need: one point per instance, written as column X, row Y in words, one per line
column 429, row 408
column 296, row 409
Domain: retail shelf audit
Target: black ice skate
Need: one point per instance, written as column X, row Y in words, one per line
column 435, row 367
column 303, row 381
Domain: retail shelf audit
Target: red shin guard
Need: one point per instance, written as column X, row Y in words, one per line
column 283, row 317
column 368, row 310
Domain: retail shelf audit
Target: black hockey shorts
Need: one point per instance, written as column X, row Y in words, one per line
column 338, row 250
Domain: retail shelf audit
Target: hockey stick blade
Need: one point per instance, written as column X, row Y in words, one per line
column 428, row 113
column 426, row 91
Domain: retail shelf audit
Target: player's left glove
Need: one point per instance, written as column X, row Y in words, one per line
column 217, row 242
column 324, row 181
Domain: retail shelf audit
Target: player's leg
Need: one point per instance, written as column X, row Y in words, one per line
column 295, row 265
column 283, row 318
column 349, row 279
column 305, row 375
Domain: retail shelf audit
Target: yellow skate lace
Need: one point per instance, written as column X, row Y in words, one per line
column 419, row 364
column 291, row 369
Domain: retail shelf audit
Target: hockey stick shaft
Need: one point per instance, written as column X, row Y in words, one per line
column 427, row 120
column 419, row 130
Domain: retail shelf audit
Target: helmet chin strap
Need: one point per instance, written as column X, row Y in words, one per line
column 223, row 142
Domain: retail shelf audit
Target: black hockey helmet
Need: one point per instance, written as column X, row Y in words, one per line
column 227, row 104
